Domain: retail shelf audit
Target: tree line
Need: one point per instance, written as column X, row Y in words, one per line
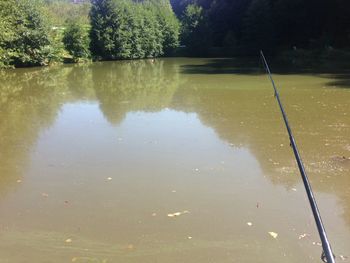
column 40, row 32
column 250, row 25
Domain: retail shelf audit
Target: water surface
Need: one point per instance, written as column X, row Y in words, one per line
column 97, row 160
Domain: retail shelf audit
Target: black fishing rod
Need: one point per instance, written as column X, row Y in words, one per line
column 327, row 254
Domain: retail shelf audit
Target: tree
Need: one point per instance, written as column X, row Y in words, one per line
column 169, row 24
column 76, row 40
column 195, row 29
column 124, row 29
column 7, row 31
column 179, row 6
column 25, row 34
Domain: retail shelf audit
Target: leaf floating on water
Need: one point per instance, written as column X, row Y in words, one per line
column 303, row 236
column 109, row 178
column 154, row 214
column 273, row 234
column 249, row 223
column 178, row 213
column 189, row 237
column 69, row 240
column 342, row 257
column 294, row 189
column 19, row 181
column 130, row 246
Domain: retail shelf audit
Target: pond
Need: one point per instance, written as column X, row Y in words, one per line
column 170, row 160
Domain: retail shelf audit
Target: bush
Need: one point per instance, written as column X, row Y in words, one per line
column 24, row 34
column 76, row 40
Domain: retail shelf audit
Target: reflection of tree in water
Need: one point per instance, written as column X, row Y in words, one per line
column 29, row 102
column 143, row 85
column 79, row 82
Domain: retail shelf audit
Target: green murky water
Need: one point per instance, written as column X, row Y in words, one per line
column 176, row 160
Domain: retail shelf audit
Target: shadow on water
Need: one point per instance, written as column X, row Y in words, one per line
column 253, row 66
column 339, row 80
column 225, row 66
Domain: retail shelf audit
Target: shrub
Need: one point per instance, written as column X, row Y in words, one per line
column 76, row 40
column 24, row 34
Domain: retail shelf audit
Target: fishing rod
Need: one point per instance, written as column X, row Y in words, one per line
column 327, row 254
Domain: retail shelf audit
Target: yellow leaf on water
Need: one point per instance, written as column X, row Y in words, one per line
column 273, row 234
column 69, row 240
column 130, row 246
column 178, row 213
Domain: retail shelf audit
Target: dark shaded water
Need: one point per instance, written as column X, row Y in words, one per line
column 180, row 160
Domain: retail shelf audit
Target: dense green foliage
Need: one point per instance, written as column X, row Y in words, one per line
column 76, row 40
column 169, row 24
column 249, row 25
column 38, row 32
column 24, row 34
column 124, row 29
